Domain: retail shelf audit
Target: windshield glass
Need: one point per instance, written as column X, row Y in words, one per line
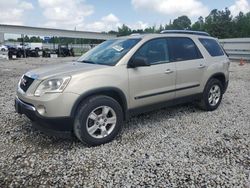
column 108, row 52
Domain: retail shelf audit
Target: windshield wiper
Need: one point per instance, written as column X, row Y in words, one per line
column 87, row 61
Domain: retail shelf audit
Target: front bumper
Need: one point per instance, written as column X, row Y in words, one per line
column 59, row 126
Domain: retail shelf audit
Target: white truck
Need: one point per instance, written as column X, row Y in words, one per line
column 32, row 46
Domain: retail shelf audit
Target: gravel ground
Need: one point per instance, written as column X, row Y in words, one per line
column 174, row 147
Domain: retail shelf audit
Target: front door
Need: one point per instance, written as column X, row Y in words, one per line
column 154, row 83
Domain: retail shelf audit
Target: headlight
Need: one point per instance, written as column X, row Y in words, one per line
column 52, row 85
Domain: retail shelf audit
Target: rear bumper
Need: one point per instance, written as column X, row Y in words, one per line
column 60, row 127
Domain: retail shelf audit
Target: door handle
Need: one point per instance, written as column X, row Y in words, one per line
column 168, row 71
column 201, row 66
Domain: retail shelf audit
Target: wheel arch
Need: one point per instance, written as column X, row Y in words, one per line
column 112, row 92
column 221, row 77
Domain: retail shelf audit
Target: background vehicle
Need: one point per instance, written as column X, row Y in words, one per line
column 61, row 51
column 15, row 53
column 19, row 52
column 32, row 53
column 123, row 77
column 22, row 46
column 64, row 51
column 36, row 46
column 48, row 52
column 31, row 46
column 3, row 48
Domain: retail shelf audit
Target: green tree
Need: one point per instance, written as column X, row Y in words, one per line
column 35, row 39
column 169, row 26
column 182, row 22
column 113, row 32
column 161, row 28
column 150, row 29
column 138, row 31
column 199, row 25
column 241, row 24
column 219, row 23
column 124, row 30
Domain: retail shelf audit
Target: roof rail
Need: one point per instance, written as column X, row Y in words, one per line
column 135, row 34
column 185, row 32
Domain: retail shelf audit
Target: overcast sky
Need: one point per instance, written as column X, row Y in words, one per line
column 105, row 15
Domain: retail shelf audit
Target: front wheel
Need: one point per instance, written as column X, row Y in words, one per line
column 98, row 120
column 212, row 95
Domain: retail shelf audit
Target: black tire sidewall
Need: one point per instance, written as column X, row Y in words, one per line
column 85, row 108
column 209, row 85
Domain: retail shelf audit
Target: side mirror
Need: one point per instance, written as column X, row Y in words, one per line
column 138, row 62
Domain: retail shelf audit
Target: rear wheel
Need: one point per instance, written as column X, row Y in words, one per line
column 98, row 120
column 212, row 95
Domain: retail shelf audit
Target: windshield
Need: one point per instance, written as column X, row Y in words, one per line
column 108, row 52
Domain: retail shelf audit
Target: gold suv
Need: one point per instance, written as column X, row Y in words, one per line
column 91, row 97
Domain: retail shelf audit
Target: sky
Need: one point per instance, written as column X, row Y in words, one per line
column 106, row 15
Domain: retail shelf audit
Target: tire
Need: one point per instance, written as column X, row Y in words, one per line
column 19, row 54
column 92, row 126
column 212, row 95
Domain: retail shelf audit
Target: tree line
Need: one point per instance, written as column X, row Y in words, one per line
column 219, row 23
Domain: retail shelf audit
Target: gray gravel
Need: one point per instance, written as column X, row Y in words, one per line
column 174, row 147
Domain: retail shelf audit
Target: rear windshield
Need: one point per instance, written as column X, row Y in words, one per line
column 212, row 46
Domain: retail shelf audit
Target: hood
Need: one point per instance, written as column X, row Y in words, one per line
column 62, row 69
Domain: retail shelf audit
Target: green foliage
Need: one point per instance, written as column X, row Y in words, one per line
column 241, row 25
column 124, row 30
column 150, row 29
column 199, row 25
column 182, row 22
column 31, row 39
column 220, row 24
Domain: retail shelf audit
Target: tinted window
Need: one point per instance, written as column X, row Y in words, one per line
column 182, row 49
column 212, row 47
column 154, row 51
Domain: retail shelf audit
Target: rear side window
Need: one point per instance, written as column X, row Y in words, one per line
column 182, row 49
column 212, row 47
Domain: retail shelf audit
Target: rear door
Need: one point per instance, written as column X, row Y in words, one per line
column 154, row 83
column 190, row 65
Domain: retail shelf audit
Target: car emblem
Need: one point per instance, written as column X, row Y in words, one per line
column 23, row 81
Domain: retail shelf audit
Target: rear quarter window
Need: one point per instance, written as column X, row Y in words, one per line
column 212, row 46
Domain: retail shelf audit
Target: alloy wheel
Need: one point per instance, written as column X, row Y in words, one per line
column 101, row 122
column 214, row 95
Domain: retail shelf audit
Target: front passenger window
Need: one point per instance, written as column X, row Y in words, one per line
column 154, row 51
